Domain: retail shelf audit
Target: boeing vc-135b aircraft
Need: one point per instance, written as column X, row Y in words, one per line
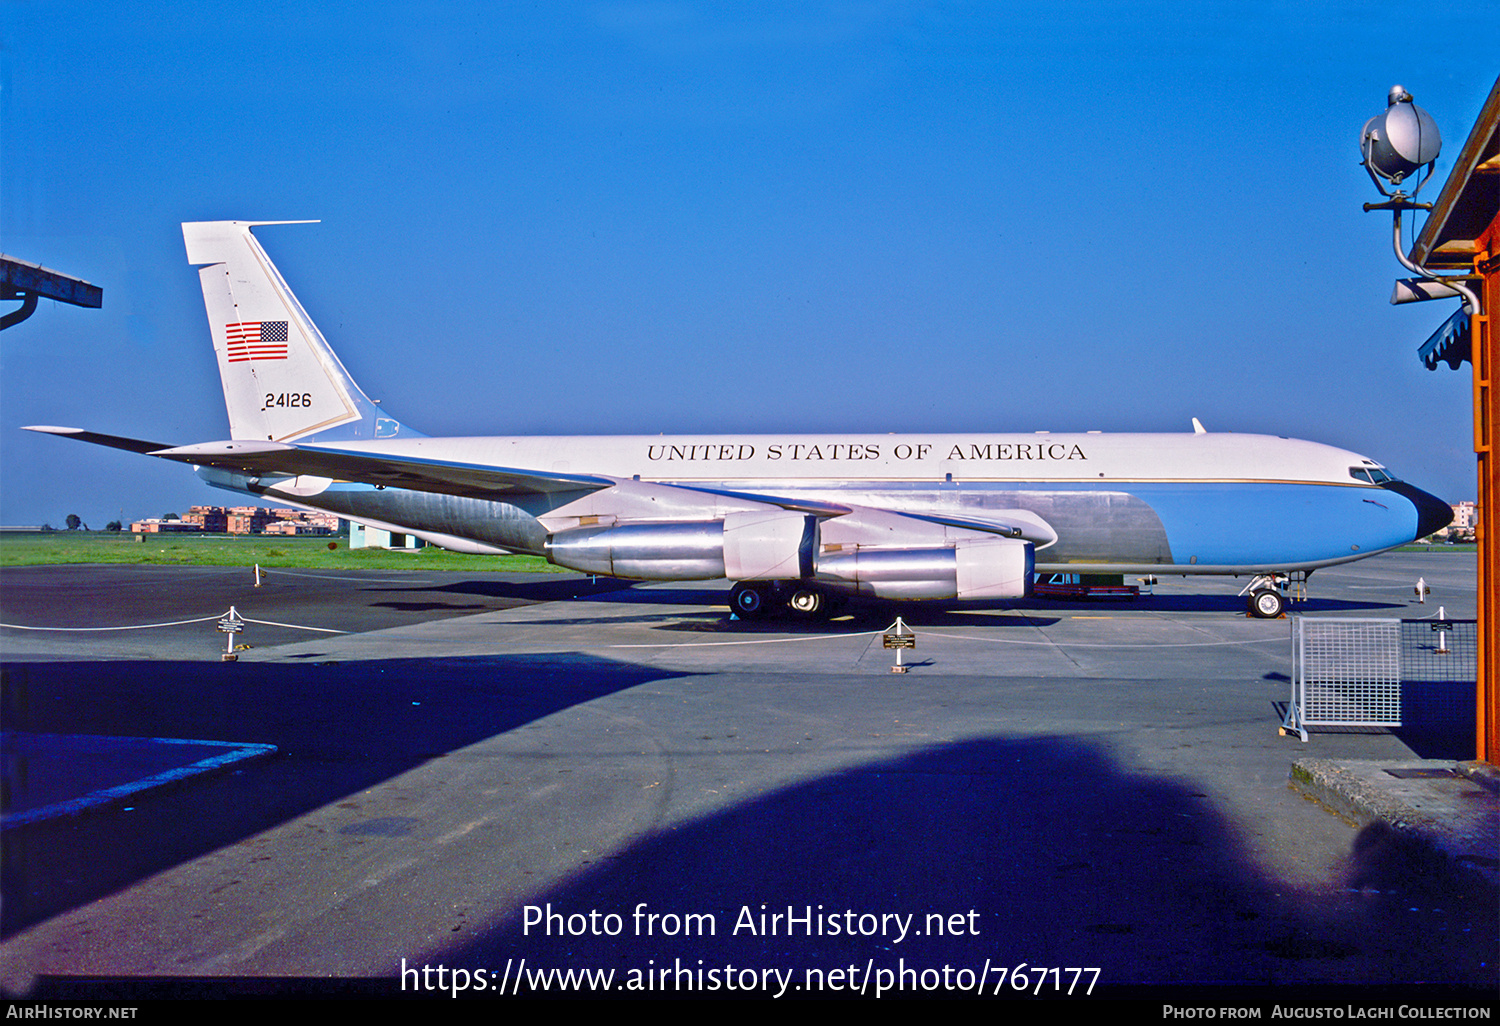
column 795, row 520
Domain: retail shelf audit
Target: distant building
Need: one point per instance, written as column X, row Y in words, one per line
column 249, row 519
column 328, row 520
column 295, row 527
column 212, row 519
column 155, row 526
column 243, row 520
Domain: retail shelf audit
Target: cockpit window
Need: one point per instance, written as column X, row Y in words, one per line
column 1370, row 475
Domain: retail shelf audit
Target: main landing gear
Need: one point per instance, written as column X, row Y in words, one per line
column 754, row 600
column 749, row 601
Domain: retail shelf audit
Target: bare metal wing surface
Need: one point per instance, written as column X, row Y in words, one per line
column 426, row 475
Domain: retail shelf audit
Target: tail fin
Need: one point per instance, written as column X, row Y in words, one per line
column 281, row 379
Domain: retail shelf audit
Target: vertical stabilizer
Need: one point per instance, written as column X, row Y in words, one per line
column 281, row 379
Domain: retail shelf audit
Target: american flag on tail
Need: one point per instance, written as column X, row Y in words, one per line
column 256, row 340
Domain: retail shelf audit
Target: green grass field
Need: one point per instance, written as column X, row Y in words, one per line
column 31, row 549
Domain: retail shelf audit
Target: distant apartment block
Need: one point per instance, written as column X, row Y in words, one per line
column 249, row 519
column 1465, row 520
column 295, row 527
column 241, row 520
column 212, row 519
column 158, row 526
column 328, row 521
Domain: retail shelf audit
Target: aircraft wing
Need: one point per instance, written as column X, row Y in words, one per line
column 261, row 458
column 249, row 456
column 422, row 475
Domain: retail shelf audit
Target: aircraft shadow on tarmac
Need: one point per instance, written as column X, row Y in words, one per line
column 427, row 607
column 871, row 614
column 516, row 590
column 1234, row 605
column 1067, row 860
column 857, row 619
column 524, row 588
column 856, row 615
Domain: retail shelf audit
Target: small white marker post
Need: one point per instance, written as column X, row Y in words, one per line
column 1442, row 648
column 257, row 575
column 900, row 637
column 231, row 624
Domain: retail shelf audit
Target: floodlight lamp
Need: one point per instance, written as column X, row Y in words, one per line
column 1399, row 142
column 1392, row 146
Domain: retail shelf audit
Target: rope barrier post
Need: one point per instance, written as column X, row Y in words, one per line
column 257, row 575
column 231, row 625
column 900, row 637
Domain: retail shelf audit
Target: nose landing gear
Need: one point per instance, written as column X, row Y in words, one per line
column 1267, row 604
column 1266, row 596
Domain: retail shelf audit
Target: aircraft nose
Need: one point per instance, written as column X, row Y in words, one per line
column 1433, row 514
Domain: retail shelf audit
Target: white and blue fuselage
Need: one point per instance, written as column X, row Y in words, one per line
column 1171, row 503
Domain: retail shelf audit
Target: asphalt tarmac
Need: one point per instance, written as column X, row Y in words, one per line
column 488, row 778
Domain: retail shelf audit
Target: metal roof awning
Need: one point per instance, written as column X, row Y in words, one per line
column 1467, row 203
column 1450, row 344
column 29, row 282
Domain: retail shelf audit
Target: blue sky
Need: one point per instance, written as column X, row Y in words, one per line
column 731, row 217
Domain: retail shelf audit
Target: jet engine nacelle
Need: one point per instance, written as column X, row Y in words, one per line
column 679, row 551
column 781, row 545
column 744, row 546
column 996, row 569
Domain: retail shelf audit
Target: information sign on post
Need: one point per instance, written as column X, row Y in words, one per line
column 900, row 637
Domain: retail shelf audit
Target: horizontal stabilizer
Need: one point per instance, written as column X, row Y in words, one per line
column 113, row 441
